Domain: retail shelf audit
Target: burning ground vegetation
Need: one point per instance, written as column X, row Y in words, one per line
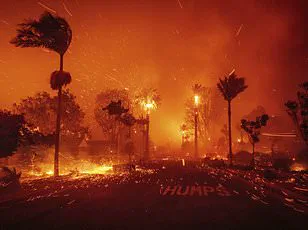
column 83, row 175
column 23, row 170
column 40, row 184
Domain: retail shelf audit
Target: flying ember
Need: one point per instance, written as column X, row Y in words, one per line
column 134, row 114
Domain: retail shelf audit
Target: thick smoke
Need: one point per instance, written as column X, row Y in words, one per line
column 131, row 44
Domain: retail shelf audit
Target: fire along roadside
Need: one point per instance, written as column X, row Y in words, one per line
column 194, row 190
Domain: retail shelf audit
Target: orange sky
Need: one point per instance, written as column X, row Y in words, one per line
column 165, row 45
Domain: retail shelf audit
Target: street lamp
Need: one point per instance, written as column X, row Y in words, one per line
column 196, row 97
column 183, row 134
column 148, row 106
column 196, row 102
column 183, row 137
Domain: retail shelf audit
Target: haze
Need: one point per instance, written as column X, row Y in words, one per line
column 164, row 44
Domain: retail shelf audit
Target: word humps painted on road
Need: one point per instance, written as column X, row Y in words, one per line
column 194, row 190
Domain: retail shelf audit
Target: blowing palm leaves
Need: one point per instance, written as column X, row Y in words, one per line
column 53, row 33
column 230, row 87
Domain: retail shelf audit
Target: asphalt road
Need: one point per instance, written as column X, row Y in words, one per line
column 170, row 197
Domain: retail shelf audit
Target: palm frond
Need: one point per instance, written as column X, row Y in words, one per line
column 231, row 86
column 197, row 88
column 51, row 32
column 27, row 36
column 59, row 79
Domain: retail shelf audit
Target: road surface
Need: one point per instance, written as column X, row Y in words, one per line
column 168, row 197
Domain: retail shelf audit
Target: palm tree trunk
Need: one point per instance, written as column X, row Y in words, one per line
column 230, row 136
column 58, row 125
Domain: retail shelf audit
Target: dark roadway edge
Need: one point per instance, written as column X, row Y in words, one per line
column 50, row 211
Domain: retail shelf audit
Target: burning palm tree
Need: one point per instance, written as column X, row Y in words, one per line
column 53, row 33
column 230, row 87
column 148, row 99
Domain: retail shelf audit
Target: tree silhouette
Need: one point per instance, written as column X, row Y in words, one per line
column 40, row 111
column 256, row 112
column 230, row 87
column 144, row 96
column 115, row 108
column 108, row 122
column 252, row 128
column 198, row 89
column 298, row 111
column 10, row 132
column 54, row 33
column 128, row 119
column 15, row 132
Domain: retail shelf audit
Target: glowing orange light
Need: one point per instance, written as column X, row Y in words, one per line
column 196, row 97
column 49, row 172
column 75, row 168
column 298, row 167
column 149, row 105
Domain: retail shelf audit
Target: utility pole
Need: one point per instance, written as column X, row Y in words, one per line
column 196, row 97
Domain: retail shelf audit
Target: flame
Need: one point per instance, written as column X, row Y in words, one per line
column 148, row 105
column 298, row 167
column 49, row 172
column 103, row 169
column 81, row 167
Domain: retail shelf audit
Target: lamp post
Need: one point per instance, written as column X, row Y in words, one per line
column 148, row 106
column 183, row 134
column 196, row 102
